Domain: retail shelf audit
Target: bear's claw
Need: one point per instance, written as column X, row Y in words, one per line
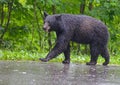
column 91, row 63
column 43, row 59
column 105, row 63
column 66, row 62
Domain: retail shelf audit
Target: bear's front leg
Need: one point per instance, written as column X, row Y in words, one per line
column 52, row 54
column 61, row 46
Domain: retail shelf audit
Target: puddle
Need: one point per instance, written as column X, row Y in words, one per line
column 37, row 73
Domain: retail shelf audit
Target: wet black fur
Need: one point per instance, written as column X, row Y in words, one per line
column 81, row 29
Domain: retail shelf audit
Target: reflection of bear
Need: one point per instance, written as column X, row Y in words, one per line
column 78, row 28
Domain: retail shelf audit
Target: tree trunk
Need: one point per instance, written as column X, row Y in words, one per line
column 82, row 6
column 37, row 21
column 90, row 5
column 10, row 4
column 35, row 13
column 2, row 14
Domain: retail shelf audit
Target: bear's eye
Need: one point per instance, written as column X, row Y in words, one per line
column 47, row 23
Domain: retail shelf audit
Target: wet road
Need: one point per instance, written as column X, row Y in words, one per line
column 37, row 73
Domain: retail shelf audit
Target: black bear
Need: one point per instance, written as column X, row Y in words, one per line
column 78, row 28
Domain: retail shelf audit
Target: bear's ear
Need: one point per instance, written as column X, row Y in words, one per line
column 58, row 17
column 45, row 14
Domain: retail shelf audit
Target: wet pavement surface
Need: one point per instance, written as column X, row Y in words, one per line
column 37, row 73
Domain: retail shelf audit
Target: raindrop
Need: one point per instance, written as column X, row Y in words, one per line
column 24, row 72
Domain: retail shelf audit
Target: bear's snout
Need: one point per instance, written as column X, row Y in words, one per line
column 46, row 26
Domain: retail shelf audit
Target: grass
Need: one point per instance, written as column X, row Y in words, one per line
column 34, row 56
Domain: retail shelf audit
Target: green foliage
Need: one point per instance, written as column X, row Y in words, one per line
column 21, row 26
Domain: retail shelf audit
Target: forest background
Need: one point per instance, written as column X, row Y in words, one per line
column 22, row 36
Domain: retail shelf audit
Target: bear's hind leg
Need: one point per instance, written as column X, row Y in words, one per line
column 67, row 55
column 94, row 51
column 105, row 55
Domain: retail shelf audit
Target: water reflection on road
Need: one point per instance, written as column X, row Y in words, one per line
column 37, row 73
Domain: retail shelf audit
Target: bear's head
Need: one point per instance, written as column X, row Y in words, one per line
column 51, row 22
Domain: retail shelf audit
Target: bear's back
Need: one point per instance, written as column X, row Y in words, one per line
column 86, row 28
column 81, row 20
